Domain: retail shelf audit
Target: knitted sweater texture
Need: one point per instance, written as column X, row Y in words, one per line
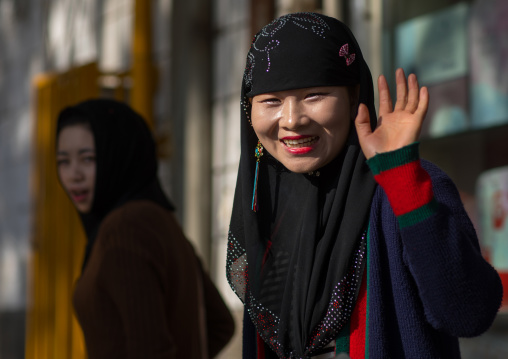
column 144, row 294
column 427, row 282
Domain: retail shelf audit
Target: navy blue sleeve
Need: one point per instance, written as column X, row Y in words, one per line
column 460, row 291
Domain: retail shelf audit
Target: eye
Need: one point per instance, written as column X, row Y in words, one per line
column 315, row 95
column 266, row 99
column 89, row 159
column 62, row 161
column 270, row 101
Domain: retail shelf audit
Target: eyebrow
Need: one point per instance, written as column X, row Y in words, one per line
column 80, row 152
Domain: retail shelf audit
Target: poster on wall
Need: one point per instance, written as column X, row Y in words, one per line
column 488, row 33
column 434, row 47
column 492, row 197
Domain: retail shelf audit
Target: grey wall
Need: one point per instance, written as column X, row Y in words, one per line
column 231, row 27
column 20, row 59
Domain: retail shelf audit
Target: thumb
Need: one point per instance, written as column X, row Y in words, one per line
column 362, row 122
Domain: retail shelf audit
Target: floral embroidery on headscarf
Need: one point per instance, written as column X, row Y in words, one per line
column 344, row 52
column 302, row 20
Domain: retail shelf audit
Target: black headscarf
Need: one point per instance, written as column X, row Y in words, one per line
column 126, row 161
column 298, row 261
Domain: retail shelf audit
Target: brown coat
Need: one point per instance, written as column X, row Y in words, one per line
column 143, row 293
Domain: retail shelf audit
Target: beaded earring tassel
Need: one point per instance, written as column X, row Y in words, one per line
column 258, row 152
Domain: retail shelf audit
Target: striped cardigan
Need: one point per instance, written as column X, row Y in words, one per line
column 427, row 283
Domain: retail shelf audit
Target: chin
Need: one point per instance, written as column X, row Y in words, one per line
column 302, row 164
column 83, row 209
column 301, row 167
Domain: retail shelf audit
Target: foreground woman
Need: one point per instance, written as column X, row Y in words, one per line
column 341, row 239
column 142, row 292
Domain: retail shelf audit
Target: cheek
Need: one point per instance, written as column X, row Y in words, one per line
column 341, row 129
column 63, row 176
column 338, row 129
column 264, row 122
column 259, row 132
column 91, row 173
column 260, row 127
column 337, row 122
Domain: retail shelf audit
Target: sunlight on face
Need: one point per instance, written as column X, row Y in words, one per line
column 76, row 165
column 304, row 129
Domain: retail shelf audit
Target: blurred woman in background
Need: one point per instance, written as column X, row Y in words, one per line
column 143, row 292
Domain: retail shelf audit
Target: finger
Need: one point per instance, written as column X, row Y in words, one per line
column 423, row 103
column 413, row 94
column 362, row 121
column 363, row 129
column 385, row 100
column 400, row 79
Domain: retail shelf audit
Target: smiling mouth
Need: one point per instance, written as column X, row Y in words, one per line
column 79, row 196
column 301, row 142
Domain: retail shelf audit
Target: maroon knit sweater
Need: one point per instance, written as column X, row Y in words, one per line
column 143, row 293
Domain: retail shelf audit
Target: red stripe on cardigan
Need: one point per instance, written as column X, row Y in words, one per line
column 261, row 346
column 359, row 324
column 408, row 187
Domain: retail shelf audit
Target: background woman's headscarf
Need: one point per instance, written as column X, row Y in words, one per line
column 126, row 161
column 297, row 262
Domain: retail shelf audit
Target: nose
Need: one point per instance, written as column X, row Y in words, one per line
column 75, row 172
column 293, row 114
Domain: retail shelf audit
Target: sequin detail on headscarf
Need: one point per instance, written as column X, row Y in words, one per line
column 247, row 74
column 342, row 301
column 236, row 267
column 267, row 323
column 265, row 43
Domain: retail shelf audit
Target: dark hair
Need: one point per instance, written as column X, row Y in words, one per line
column 72, row 121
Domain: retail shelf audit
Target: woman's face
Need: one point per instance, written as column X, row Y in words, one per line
column 76, row 164
column 304, row 129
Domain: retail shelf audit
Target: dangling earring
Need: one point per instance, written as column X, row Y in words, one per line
column 258, row 152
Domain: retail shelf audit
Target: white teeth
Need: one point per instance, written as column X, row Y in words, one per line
column 300, row 142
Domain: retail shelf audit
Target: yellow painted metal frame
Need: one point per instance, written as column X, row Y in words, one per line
column 58, row 239
column 143, row 71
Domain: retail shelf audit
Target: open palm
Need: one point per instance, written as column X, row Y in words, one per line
column 397, row 126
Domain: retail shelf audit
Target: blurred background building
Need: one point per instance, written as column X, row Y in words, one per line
column 180, row 64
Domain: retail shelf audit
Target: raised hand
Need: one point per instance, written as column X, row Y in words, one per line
column 396, row 127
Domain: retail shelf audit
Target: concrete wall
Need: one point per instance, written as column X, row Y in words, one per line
column 231, row 26
column 230, row 46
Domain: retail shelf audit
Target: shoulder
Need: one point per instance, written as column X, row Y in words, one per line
column 139, row 226
column 142, row 215
column 137, row 212
column 142, row 234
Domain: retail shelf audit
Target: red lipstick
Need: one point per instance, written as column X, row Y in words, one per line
column 299, row 145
